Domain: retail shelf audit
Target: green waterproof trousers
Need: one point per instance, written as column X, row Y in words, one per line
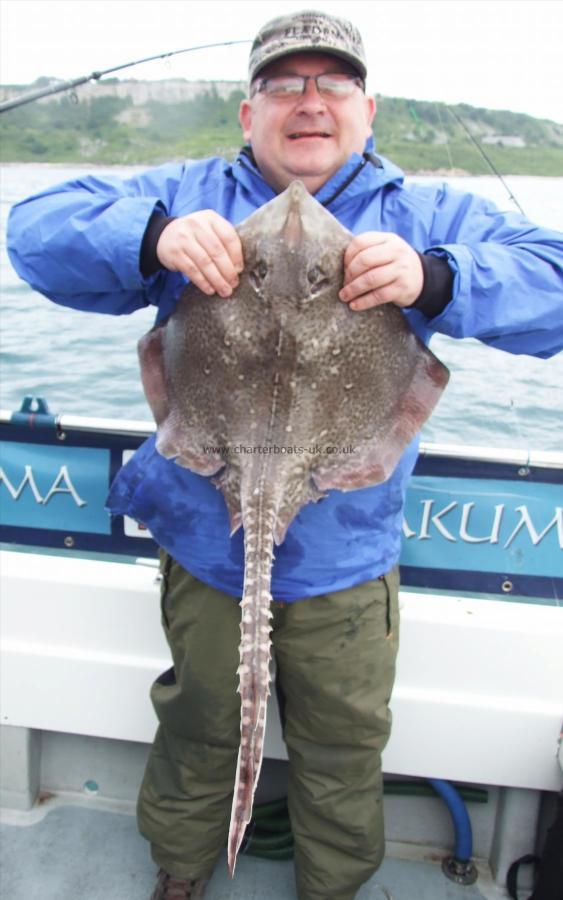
column 335, row 657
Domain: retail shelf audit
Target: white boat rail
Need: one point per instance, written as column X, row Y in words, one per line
column 143, row 428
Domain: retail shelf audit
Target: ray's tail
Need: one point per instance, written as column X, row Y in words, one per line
column 254, row 671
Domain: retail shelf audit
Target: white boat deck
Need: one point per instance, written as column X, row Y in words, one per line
column 62, row 851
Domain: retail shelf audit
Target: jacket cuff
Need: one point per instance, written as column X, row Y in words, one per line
column 437, row 289
column 148, row 260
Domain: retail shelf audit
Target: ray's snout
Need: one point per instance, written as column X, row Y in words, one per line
column 292, row 230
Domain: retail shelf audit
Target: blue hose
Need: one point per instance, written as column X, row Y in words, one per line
column 460, row 818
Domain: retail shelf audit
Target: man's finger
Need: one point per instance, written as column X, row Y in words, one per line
column 205, row 248
column 367, row 258
column 368, row 282
column 190, row 269
column 230, row 241
column 219, row 244
column 211, row 261
column 361, row 242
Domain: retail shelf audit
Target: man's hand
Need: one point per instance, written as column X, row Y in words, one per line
column 381, row 268
column 205, row 248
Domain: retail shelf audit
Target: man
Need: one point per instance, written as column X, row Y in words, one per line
column 457, row 266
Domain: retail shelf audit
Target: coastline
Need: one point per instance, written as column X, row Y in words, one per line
column 92, row 166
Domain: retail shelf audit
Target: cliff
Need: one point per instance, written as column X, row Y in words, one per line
column 130, row 121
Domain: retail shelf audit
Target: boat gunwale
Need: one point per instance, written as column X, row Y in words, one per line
column 550, row 459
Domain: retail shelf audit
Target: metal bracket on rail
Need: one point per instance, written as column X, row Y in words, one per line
column 35, row 413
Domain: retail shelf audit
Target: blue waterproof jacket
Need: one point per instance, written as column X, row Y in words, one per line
column 79, row 244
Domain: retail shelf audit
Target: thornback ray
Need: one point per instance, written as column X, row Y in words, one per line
column 283, row 363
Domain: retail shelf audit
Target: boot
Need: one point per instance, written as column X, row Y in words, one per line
column 170, row 888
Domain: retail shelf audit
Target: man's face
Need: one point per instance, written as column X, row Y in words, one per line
column 307, row 137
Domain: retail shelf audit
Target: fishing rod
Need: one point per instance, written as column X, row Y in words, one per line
column 30, row 96
column 61, row 86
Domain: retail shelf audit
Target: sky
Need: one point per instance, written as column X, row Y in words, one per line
column 502, row 54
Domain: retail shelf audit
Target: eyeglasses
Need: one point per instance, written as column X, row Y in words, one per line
column 336, row 85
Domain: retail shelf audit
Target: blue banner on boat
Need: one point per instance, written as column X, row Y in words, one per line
column 484, row 525
column 54, row 488
column 470, row 525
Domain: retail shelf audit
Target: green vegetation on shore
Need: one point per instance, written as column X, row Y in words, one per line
column 418, row 136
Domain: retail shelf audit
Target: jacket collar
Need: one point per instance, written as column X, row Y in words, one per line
column 359, row 175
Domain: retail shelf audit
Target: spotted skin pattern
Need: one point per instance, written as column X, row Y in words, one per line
column 273, row 380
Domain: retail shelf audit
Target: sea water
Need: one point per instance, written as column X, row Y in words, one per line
column 86, row 363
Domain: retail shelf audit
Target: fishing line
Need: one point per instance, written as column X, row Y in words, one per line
column 517, row 422
column 487, row 159
column 448, row 150
column 513, row 409
column 95, row 76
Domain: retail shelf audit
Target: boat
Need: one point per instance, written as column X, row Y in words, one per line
column 474, row 763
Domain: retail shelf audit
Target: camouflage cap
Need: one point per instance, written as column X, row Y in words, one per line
column 303, row 32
